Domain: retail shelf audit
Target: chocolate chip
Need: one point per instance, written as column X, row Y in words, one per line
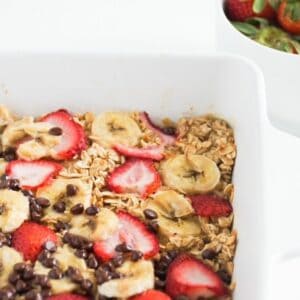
column 9, row 154
column 44, row 255
column 61, row 226
column 136, row 255
column 19, row 267
column 92, row 210
column 3, row 182
column 123, row 248
column 74, row 274
column 173, row 253
column 49, row 262
column 118, row 260
column 50, row 246
column 33, row 295
column 13, row 277
column 7, row 292
column 169, row 130
column 34, row 206
column 27, row 193
column 46, row 293
column 225, row 276
column 77, row 209
column 28, row 273
column 159, row 284
column 92, row 262
column 36, row 216
column 21, row 286
column 71, row 190
column 43, row 281
column 87, row 285
column 43, row 202
column 55, row 131
column 82, row 253
column 55, row 273
column 160, row 273
column 153, row 226
column 150, row 214
column 209, row 254
column 77, row 241
column 59, row 206
column 102, row 275
column 14, row 184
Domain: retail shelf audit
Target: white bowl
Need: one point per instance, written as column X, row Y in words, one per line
column 281, row 71
column 164, row 86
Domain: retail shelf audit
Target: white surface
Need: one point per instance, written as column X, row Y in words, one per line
column 107, row 25
column 170, row 86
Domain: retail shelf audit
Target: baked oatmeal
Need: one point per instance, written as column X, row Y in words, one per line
column 111, row 206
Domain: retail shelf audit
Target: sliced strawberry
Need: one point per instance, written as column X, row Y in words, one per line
column 73, row 139
column 134, row 233
column 30, row 237
column 151, row 295
column 155, row 153
column 105, row 250
column 32, row 174
column 211, row 206
column 67, row 296
column 135, row 176
column 188, row 276
column 166, row 139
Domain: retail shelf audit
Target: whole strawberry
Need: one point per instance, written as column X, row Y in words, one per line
column 241, row 10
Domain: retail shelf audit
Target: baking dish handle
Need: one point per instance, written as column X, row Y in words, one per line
column 283, row 207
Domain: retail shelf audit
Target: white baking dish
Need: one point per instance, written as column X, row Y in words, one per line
column 163, row 86
column 281, row 71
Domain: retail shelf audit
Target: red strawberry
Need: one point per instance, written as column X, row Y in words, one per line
column 32, row 174
column 211, row 206
column 30, row 237
column 73, row 139
column 188, row 276
column 135, row 176
column 134, row 233
column 241, row 10
column 67, row 296
column 151, row 295
column 166, row 139
column 155, row 153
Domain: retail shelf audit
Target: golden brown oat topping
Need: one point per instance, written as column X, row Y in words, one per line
column 94, row 212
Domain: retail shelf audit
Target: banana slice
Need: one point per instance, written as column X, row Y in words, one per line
column 190, row 174
column 8, row 258
column 137, row 278
column 116, row 128
column 65, row 258
column 174, row 214
column 57, row 191
column 37, row 142
column 170, row 204
column 99, row 227
column 14, row 210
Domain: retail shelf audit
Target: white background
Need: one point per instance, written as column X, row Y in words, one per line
column 156, row 26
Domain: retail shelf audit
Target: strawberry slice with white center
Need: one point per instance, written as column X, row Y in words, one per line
column 135, row 176
column 134, row 233
column 32, row 174
column 166, row 139
column 73, row 139
column 188, row 276
column 211, row 206
column 155, row 153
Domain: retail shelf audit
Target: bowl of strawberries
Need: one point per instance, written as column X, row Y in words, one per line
column 268, row 32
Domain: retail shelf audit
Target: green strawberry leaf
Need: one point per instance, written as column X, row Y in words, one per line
column 247, row 29
column 296, row 45
column 259, row 5
column 275, row 3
